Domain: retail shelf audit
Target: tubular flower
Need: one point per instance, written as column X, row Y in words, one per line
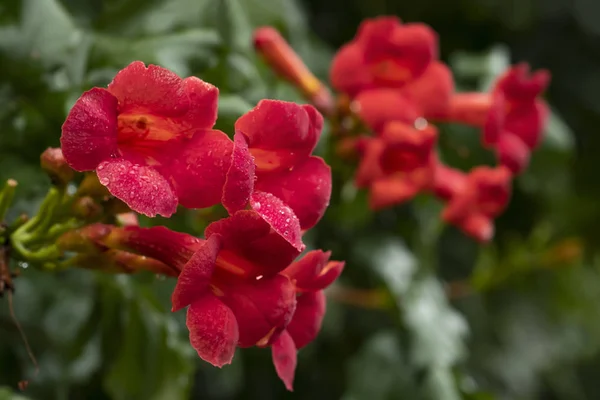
column 149, row 138
column 483, row 196
column 424, row 97
column 279, row 137
column 384, row 54
column 284, row 60
column 512, row 116
column 310, row 275
column 232, row 280
column 447, row 181
column 398, row 165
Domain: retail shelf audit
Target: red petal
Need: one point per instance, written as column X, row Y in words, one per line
column 213, row 330
column 239, row 184
column 448, row 181
column 512, row 153
column 397, row 53
column 331, row 271
column 279, row 216
column 284, row 354
column 307, row 320
column 196, row 274
column 89, row 134
column 379, row 106
column 349, row 72
column 518, row 85
column 369, row 168
column 158, row 91
column 199, row 168
column 311, row 178
column 304, row 271
column 391, row 191
column 263, row 308
column 431, row 92
column 478, row 226
column 280, row 133
column 527, row 122
column 250, row 244
column 143, row 188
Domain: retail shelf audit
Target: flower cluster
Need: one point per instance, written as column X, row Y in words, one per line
column 149, row 138
column 393, row 87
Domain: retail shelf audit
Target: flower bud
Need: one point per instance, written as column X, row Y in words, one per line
column 86, row 208
column 284, row 60
column 84, row 240
column 54, row 164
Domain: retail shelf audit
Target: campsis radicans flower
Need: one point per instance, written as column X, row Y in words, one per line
column 149, row 138
column 512, row 116
column 231, row 280
column 310, row 275
column 384, row 54
column 273, row 153
column 398, row 164
column 474, row 200
column 284, row 60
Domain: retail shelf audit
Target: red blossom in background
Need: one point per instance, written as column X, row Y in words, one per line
column 149, row 137
column 384, row 54
column 397, row 165
column 310, row 275
column 512, row 116
column 280, row 137
column 477, row 200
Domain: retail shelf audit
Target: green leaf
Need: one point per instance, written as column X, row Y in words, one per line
column 7, row 394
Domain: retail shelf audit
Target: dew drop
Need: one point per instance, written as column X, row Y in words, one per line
column 105, row 181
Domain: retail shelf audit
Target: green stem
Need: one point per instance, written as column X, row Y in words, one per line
column 7, row 195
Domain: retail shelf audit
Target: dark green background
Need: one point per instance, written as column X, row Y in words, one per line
column 531, row 330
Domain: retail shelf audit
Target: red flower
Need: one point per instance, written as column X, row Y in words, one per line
column 280, row 137
column 149, row 138
column 284, row 60
column 311, row 274
column 424, row 97
column 482, row 197
column 384, row 53
column 447, row 181
column 231, row 281
column 398, row 165
column 512, row 116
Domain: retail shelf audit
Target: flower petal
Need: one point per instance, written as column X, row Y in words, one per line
column 280, row 133
column 304, row 271
column 196, row 274
column 447, row 181
column 512, row 153
column 284, row 354
column 314, row 271
column 308, row 317
column 397, row 53
column 280, row 217
column 158, row 91
column 349, row 72
column 431, row 92
column 311, row 178
column 369, row 169
column 199, row 168
column 387, row 192
column 89, row 134
column 213, row 330
column 263, row 308
column 239, row 183
column 251, row 245
column 143, row 188
column 378, row 106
